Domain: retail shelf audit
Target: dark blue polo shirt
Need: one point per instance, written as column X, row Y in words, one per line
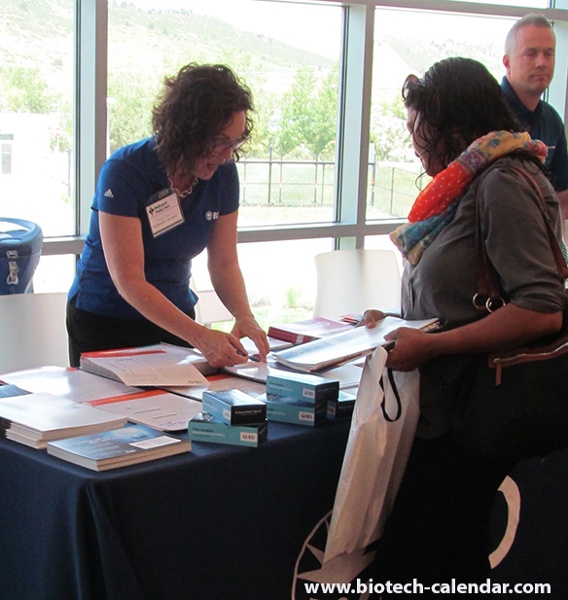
column 544, row 124
column 127, row 181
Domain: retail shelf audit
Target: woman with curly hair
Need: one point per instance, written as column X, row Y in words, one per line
column 158, row 203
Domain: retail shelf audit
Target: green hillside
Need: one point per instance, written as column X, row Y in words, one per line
column 37, row 53
column 39, row 33
column 197, row 37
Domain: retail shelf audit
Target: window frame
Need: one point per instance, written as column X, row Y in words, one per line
column 356, row 66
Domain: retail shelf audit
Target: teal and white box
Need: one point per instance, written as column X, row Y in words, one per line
column 233, row 407
column 342, row 408
column 204, row 427
column 305, row 387
column 288, row 410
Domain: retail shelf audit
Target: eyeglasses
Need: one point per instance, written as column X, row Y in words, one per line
column 224, row 144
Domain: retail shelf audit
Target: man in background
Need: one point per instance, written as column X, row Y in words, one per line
column 530, row 49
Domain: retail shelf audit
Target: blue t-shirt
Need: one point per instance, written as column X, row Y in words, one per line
column 127, row 181
column 543, row 124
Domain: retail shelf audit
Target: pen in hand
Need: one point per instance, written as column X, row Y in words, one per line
column 249, row 357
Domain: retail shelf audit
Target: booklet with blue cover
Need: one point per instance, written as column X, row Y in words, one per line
column 118, row 448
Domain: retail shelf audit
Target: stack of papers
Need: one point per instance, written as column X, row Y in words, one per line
column 35, row 419
column 348, row 375
column 307, row 331
column 344, row 347
column 66, row 382
column 156, row 408
column 220, row 382
column 156, row 365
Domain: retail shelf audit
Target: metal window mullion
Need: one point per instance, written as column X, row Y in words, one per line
column 91, row 35
column 353, row 120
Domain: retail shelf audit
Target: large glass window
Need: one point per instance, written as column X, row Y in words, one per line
column 330, row 157
column 6, row 152
column 528, row 3
column 291, row 66
column 280, row 278
column 410, row 41
column 36, row 113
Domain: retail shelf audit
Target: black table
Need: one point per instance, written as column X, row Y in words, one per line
column 227, row 523
column 219, row 523
column 536, row 493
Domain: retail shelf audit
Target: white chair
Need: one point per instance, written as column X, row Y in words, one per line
column 32, row 331
column 350, row 281
column 209, row 308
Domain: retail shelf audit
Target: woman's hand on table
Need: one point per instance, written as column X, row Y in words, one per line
column 248, row 327
column 220, row 349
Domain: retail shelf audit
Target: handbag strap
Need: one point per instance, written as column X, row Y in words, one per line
column 397, row 397
column 561, row 265
column 488, row 296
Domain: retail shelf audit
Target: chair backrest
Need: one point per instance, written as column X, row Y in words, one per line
column 209, row 308
column 350, row 281
column 32, row 331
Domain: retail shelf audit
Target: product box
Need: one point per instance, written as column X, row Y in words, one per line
column 305, row 387
column 233, row 407
column 206, row 428
column 342, row 408
column 288, row 410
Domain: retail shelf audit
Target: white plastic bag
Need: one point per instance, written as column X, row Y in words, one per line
column 375, row 457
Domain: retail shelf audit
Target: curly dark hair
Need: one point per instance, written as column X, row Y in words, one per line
column 459, row 101
column 195, row 107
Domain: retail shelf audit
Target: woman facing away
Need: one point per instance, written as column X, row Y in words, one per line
column 158, row 203
column 468, row 141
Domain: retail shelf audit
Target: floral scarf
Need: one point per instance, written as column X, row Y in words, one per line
column 436, row 204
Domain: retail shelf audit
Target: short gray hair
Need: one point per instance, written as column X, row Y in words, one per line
column 530, row 19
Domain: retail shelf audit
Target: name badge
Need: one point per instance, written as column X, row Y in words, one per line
column 164, row 213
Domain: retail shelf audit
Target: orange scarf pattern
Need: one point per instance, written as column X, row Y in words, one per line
column 436, row 204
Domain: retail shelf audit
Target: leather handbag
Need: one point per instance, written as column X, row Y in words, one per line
column 512, row 405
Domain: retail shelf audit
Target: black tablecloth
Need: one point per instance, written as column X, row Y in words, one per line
column 221, row 523
column 227, row 523
column 538, row 495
